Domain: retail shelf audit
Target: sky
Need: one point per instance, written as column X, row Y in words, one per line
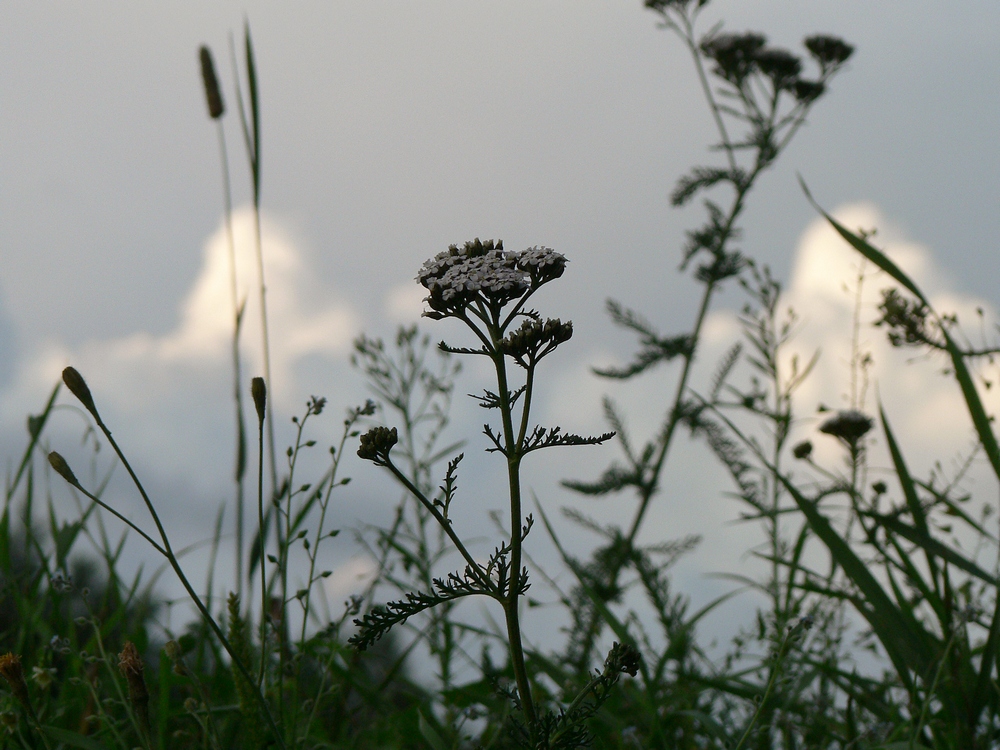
column 391, row 130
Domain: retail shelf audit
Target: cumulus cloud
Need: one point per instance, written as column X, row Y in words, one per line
column 170, row 394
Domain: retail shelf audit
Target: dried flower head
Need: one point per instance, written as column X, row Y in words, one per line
column 130, row 665
column 735, row 55
column 781, row 66
column 12, row 671
column 829, row 51
column 212, row 93
column 808, row 91
column 623, row 658
column 849, row 425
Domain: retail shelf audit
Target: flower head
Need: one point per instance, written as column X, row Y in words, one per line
column 849, row 425
column 486, row 272
column 376, row 444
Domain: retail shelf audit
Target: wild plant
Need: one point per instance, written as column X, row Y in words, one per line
column 799, row 683
column 414, row 386
column 487, row 289
column 930, row 605
column 759, row 97
column 762, row 91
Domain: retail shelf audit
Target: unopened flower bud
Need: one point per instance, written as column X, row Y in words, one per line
column 78, row 387
column 58, row 463
column 258, row 389
column 376, row 444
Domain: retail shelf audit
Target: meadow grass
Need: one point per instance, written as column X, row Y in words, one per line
column 88, row 663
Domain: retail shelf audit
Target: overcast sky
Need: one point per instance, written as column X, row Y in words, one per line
column 393, row 129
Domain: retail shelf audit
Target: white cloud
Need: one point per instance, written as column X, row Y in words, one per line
column 169, row 396
column 404, row 304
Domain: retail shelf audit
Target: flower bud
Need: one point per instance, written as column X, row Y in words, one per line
column 258, row 389
column 58, row 463
column 376, row 444
column 78, row 387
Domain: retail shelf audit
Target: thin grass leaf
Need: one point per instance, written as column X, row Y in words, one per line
column 975, row 405
column 35, row 426
column 907, row 484
column 872, row 253
column 935, row 548
column 73, row 739
column 985, row 686
column 254, row 110
column 980, row 419
column 613, row 622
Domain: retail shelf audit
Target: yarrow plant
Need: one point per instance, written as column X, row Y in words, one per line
column 488, row 289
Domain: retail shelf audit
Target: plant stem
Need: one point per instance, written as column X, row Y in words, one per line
column 241, row 448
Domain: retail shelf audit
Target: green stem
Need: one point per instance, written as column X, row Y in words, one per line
column 237, row 370
column 513, row 445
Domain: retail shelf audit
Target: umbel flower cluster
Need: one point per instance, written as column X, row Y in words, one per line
column 484, row 272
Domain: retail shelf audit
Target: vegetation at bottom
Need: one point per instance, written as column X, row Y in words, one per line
column 876, row 625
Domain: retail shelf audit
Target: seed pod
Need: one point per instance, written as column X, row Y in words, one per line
column 212, row 93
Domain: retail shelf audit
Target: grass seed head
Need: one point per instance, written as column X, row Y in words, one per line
column 213, row 95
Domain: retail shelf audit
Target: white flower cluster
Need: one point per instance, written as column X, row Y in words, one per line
column 455, row 277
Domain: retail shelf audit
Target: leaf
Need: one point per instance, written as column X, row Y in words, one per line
column 872, row 253
column 702, row 178
column 934, row 547
column 429, row 733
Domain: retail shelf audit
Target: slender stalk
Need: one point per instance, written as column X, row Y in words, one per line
column 261, row 539
column 241, row 448
column 265, row 341
column 775, row 671
column 514, row 444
